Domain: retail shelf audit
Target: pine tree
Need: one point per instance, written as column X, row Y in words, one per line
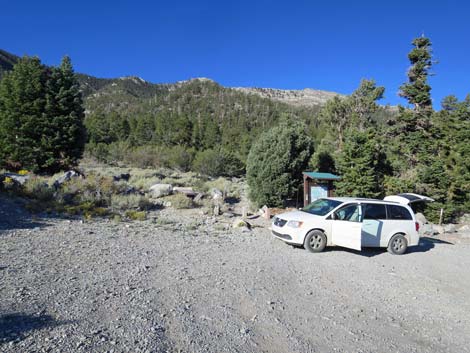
column 22, row 104
column 417, row 91
column 41, row 116
column 413, row 129
column 276, row 162
column 362, row 165
column 64, row 135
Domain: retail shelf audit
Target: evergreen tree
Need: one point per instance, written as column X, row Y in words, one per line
column 276, row 162
column 362, row 165
column 417, row 91
column 22, row 106
column 41, row 116
column 63, row 139
column 413, row 130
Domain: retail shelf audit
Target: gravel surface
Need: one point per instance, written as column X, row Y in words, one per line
column 180, row 282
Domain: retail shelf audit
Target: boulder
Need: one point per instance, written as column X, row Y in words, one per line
column 421, row 219
column 437, row 229
column 241, row 224
column 464, row 228
column 184, row 190
column 217, row 194
column 199, row 197
column 426, row 229
column 265, row 212
column 66, row 177
column 450, row 228
column 160, row 190
column 17, row 178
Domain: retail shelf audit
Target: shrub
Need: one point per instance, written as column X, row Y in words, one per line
column 179, row 158
column 132, row 201
column 275, row 163
column 217, row 162
column 36, row 188
column 180, row 201
column 136, row 215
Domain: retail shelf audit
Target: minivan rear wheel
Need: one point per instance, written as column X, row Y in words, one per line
column 397, row 245
column 315, row 241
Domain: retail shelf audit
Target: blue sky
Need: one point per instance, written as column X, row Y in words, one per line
column 327, row 45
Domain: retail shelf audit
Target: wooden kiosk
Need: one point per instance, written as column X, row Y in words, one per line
column 317, row 185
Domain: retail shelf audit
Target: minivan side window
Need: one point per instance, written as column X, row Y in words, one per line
column 398, row 212
column 374, row 211
column 348, row 213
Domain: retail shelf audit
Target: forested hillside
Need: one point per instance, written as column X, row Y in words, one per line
column 202, row 126
column 7, row 61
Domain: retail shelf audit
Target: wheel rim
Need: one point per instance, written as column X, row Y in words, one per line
column 316, row 241
column 398, row 244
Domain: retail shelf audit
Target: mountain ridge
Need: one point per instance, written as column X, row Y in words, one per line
column 137, row 86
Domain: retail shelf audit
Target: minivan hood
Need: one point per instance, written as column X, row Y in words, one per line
column 296, row 216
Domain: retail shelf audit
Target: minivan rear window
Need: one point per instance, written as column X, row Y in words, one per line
column 374, row 211
column 398, row 212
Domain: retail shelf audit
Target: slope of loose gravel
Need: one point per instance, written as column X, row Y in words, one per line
column 186, row 285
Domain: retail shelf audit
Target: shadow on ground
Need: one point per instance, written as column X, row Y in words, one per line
column 425, row 244
column 13, row 215
column 15, row 327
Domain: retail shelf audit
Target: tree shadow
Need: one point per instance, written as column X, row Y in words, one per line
column 14, row 215
column 14, row 327
column 232, row 200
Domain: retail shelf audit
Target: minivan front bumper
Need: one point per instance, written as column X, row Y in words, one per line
column 288, row 234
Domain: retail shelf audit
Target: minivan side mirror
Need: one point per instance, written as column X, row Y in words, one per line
column 334, row 216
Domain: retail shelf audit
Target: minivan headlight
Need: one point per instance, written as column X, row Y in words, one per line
column 295, row 224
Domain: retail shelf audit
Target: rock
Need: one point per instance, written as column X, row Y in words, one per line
column 216, row 210
column 199, row 197
column 240, row 223
column 228, row 214
column 160, row 190
column 265, row 212
column 421, row 219
column 464, row 228
column 450, row 228
column 17, row 178
column 426, row 229
column 217, row 194
column 185, row 190
column 129, row 190
column 120, row 177
column 437, row 229
column 465, row 218
column 66, row 177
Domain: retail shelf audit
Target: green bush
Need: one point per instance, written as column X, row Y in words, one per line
column 218, row 162
column 180, row 201
column 275, row 163
column 36, row 188
column 136, row 215
column 132, row 201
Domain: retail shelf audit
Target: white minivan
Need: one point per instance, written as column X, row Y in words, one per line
column 352, row 223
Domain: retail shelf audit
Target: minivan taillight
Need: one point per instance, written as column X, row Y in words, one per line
column 417, row 226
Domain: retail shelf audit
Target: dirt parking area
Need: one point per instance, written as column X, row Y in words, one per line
column 183, row 283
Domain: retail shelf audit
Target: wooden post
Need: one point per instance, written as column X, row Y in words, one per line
column 440, row 216
column 306, row 193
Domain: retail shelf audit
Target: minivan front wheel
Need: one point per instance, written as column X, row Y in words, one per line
column 397, row 245
column 315, row 241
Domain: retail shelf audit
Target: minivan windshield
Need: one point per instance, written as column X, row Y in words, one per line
column 321, row 207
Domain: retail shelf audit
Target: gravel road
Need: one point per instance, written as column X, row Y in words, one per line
column 179, row 282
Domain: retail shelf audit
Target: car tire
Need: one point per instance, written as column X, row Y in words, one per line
column 315, row 241
column 397, row 245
